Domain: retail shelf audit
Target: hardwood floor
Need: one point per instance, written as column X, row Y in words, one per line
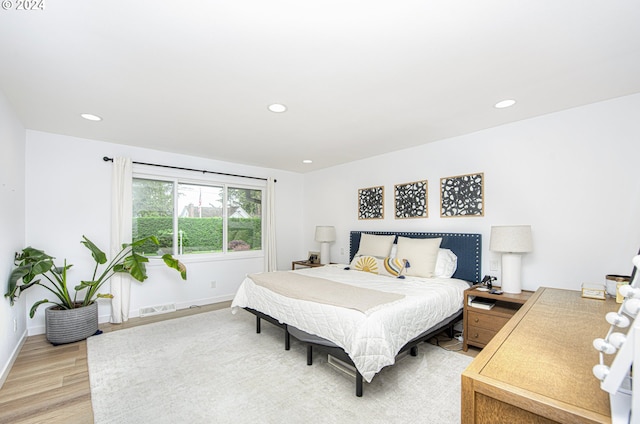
column 51, row 383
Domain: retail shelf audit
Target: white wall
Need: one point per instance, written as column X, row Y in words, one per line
column 68, row 187
column 572, row 175
column 12, row 228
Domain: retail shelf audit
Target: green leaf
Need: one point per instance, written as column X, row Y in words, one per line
column 84, row 285
column 175, row 264
column 104, row 295
column 32, row 312
column 134, row 265
column 142, row 241
column 98, row 255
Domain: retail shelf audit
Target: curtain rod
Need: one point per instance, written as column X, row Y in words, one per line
column 108, row 159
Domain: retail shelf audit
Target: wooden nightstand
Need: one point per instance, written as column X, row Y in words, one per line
column 303, row 264
column 480, row 325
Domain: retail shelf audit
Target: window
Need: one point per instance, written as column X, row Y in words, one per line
column 191, row 218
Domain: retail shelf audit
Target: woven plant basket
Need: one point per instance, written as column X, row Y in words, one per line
column 71, row 325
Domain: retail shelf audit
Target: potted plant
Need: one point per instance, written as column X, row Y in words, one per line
column 73, row 318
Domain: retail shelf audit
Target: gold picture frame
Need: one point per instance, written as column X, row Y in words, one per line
column 462, row 196
column 371, row 203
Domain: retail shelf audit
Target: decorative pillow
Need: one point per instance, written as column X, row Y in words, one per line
column 366, row 264
column 422, row 255
column 375, row 245
column 391, row 267
column 446, row 264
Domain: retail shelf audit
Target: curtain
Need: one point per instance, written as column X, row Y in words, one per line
column 270, row 262
column 121, row 228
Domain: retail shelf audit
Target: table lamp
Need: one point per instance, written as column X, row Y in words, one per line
column 512, row 241
column 324, row 235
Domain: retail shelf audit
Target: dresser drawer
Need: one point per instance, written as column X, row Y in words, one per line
column 479, row 335
column 485, row 321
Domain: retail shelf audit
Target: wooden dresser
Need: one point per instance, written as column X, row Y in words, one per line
column 537, row 368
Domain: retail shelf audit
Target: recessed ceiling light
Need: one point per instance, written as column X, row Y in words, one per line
column 307, row 161
column 277, row 108
column 91, row 117
column 505, row 103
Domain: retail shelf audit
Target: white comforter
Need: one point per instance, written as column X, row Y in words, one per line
column 371, row 340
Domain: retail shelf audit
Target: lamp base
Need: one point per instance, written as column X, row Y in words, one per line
column 511, row 273
column 325, row 253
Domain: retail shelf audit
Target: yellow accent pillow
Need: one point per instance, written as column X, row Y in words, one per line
column 366, row 264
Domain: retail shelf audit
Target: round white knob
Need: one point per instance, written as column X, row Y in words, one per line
column 601, row 371
column 603, row 346
column 617, row 319
column 632, row 306
column 617, row 339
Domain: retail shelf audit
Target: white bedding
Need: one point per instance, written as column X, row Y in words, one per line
column 373, row 340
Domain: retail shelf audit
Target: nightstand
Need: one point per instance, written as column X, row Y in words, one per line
column 304, row 264
column 480, row 325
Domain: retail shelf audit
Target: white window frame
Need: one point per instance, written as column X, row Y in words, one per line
column 186, row 177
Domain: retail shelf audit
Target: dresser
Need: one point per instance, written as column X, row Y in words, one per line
column 537, row 368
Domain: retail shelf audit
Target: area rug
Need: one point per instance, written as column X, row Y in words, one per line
column 214, row 368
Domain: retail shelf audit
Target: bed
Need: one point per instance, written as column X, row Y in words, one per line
column 367, row 318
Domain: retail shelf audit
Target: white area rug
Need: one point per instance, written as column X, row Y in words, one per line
column 214, row 368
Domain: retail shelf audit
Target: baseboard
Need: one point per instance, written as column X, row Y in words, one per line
column 12, row 359
column 135, row 313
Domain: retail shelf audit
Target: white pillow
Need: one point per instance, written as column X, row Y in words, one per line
column 375, row 245
column 422, row 255
column 446, row 264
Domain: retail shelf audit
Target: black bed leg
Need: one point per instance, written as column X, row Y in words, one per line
column 450, row 331
column 358, row 384
column 309, row 355
column 413, row 351
column 287, row 339
column 257, row 324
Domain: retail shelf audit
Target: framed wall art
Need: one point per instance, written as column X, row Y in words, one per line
column 371, row 203
column 462, row 196
column 411, row 200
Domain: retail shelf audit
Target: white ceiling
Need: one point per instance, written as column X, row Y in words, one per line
column 360, row 77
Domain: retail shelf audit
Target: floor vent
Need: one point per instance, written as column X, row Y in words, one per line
column 155, row 310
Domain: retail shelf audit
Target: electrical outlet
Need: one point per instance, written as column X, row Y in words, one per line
column 342, row 251
column 213, row 284
column 15, row 325
column 494, row 265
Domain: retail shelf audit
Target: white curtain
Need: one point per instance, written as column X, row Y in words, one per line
column 121, row 227
column 270, row 262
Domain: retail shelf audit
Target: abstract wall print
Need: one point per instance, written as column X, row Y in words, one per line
column 462, row 196
column 411, row 200
column 371, row 203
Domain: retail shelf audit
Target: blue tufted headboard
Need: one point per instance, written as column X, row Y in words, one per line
column 467, row 247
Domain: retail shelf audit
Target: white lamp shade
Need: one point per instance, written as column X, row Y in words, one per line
column 325, row 233
column 511, row 239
